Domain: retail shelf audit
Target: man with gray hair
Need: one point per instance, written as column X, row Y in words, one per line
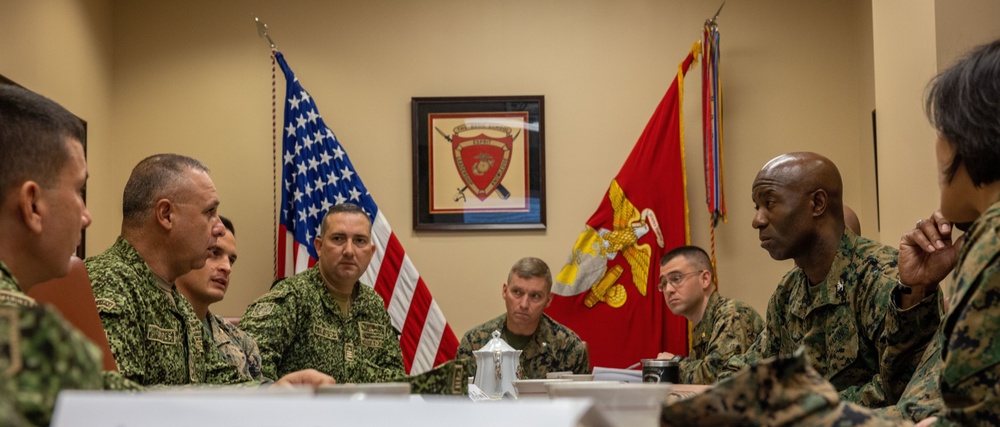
column 546, row 346
column 170, row 226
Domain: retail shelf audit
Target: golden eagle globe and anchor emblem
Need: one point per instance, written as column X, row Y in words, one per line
column 587, row 269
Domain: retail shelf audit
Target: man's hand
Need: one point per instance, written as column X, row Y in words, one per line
column 305, row 377
column 926, row 256
column 665, row 355
column 926, row 422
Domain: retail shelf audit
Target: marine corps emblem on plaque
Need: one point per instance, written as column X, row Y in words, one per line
column 482, row 154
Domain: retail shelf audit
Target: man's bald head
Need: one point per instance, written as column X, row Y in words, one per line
column 806, row 172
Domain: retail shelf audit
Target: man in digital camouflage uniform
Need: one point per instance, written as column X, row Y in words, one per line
column 956, row 384
column 42, row 215
column 546, row 346
column 840, row 301
column 206, row 286
column 169, row 227
column 722, row 327
column 324, row 318
column 170, row 224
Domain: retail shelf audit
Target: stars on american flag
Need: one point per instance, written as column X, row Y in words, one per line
column 316, row 170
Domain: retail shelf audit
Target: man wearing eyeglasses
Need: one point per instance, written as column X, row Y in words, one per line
column 722, row 327
column 546, row 346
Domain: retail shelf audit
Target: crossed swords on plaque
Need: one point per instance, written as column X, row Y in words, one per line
column 460, row 195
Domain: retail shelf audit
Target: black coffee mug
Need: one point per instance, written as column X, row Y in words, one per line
column 661, row 371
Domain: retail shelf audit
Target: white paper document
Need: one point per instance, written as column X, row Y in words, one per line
column 616, row 374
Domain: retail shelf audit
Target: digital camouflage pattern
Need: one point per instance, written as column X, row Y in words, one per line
column 778, row 391
column 552, row 348
column 959, row 377
column 448, row 378
column 9, row 416
column 922, row 396
column 298, row 325
column 40, row 355
column 727, row 328
column 967, row 377
column 156, row 338
column 237, row 348
column 853, row 331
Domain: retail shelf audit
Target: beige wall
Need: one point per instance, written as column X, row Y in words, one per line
column 62, row 49
column 193, row 77
column 913, row 40
column 962, row 24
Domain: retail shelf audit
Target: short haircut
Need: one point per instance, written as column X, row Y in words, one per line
column 962, row 104
column 155, row 177
column 693, row 254
column 531, row 268
column 228, row 224
column 343, row 208
column 34, row 135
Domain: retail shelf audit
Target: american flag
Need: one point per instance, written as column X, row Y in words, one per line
column 316, row 175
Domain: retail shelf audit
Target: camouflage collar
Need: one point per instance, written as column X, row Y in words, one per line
column 10, row 292
column 127, row 253
column 7, row 280
column 804, row 298
column 542, row 332
column 329, row 304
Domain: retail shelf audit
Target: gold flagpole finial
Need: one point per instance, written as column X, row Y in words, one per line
column 711, row 22
column 262, row 31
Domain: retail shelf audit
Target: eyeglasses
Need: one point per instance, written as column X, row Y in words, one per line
column 675, row 279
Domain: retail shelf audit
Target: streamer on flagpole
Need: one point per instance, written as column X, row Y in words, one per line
column 712, row 129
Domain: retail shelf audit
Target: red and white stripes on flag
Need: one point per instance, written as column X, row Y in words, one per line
column 316, row 175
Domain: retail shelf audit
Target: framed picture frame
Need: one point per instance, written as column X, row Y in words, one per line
column 479, row 163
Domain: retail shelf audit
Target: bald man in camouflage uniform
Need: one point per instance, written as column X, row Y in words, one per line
column 546, row 346
column 42, row 214
column 958, row 379
column 841, row 300
column 324, row 318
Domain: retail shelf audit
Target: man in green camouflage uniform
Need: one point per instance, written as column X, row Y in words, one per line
column 546, row 346
column 324, row 318
column 206, row 286
column 42, row 353
column 169, row 226
column 723, row 327
column 839, row 300
column 42, row 173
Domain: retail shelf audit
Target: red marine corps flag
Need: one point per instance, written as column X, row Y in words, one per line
column 607, row 290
